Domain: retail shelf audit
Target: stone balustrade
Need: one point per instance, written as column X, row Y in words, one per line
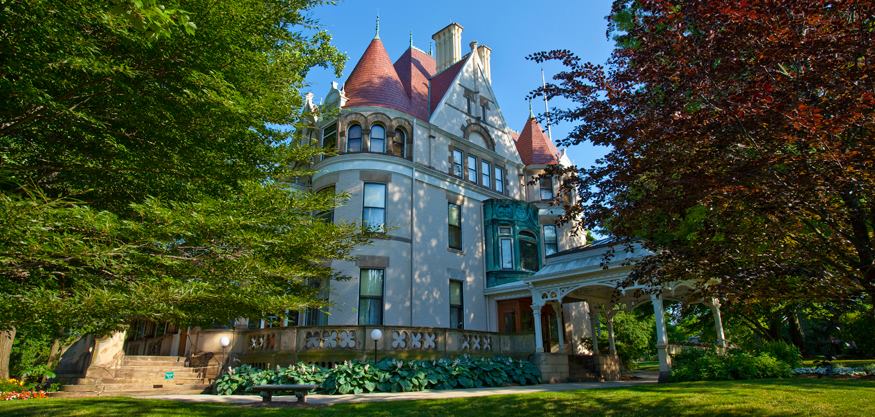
column 331, row 344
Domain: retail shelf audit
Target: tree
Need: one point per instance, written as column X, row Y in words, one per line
column 740, row 136
column 146, row 156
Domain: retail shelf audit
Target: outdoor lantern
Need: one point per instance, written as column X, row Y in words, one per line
column 376, row 335
column 225, row 341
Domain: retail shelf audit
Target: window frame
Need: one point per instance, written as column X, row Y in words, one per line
column 332, row 146
column 457, row 164
column 542, row 188
column 486, row 173
column 529, row 238
column 555, row 241
column 382, row 227
column 468, row 171
column 360, row 138
column 451, row 227
column 381, row 297
column 460, row 308
column 403, row 142
column 371, row 138
column 499, row 170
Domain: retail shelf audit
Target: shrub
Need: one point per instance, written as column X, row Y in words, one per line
column 784, row 352
column 388, row 375
column 706, row 364
column 352, row 378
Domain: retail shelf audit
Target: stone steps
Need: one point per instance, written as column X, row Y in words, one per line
column 130, row 386
column 142, row 375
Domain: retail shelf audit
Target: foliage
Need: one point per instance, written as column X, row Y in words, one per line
column 633, row 332
column 783, row 351
column 706, row 364
column 147, row 149
column 388, row 375
column 739, row 138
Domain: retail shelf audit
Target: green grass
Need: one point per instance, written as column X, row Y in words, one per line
column 647, row 366
column 851, row 363
column 789, row 397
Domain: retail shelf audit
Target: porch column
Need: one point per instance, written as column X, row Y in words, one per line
column 609, row 317
column 557, row 307
column 718, row 323
column 594, row 324
column 661, row 339
column 539, row 338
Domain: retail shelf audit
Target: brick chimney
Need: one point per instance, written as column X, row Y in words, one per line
column 449, row 46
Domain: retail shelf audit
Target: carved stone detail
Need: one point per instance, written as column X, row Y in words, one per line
column 330, row 339
column 262, row 342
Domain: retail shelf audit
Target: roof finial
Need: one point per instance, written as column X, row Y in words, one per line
column 531, row 112
column 430, row 45
column 411, row 39
column 377, row 32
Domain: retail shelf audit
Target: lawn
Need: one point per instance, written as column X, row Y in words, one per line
column 851, row 363
column 793, row 397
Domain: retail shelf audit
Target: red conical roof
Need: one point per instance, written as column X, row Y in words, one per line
column 534, row 147
column 374, row 82
column 414, row 68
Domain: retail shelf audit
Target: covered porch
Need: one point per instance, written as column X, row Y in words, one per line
column 579, row 289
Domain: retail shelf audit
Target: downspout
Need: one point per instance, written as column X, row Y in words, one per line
column 412, row 213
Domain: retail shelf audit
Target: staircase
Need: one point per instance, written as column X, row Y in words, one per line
column 143, row 375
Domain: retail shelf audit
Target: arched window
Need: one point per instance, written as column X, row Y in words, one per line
column 528, row 251
column 378, row 139
column 354, row 139
column 477, row 139
column 398, row 143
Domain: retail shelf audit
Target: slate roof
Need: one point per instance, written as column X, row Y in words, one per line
column 403, row 85
column 374, row 81
column 534, row 147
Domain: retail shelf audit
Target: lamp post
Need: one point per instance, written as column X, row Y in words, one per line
column 376, row 335
column 225, row 341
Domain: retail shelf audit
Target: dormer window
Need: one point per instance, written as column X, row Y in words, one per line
column 378, row 139
column 354, row 139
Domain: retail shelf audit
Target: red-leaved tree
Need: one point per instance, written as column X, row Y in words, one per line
column 741, row 143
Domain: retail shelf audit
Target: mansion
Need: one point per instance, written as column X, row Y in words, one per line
column 469, row 258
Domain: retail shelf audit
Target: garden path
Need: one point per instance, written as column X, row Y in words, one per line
column 319, row 399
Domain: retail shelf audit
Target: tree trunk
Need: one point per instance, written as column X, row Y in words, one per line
column 797, row 334
column 776, row 323
column 54, row 353
column 6, row 339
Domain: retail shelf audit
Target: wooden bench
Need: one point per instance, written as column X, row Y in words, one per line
column 300, row 390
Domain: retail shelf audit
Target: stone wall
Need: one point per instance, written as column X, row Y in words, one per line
column 553, row 366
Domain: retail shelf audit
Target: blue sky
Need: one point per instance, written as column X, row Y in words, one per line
column 513, row 29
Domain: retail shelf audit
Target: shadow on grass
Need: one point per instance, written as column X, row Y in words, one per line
column 773, row 398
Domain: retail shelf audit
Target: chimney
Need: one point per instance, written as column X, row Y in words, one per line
column 485, row 54
column 449, row 46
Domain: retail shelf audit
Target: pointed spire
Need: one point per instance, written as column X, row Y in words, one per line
column 411, row 39
column 377, row 31
column 531, row 112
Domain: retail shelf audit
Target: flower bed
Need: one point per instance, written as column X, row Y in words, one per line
column 831, row 370
column 387, row 375
column 13, row 389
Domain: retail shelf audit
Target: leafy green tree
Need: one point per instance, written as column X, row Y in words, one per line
column 147, row 153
